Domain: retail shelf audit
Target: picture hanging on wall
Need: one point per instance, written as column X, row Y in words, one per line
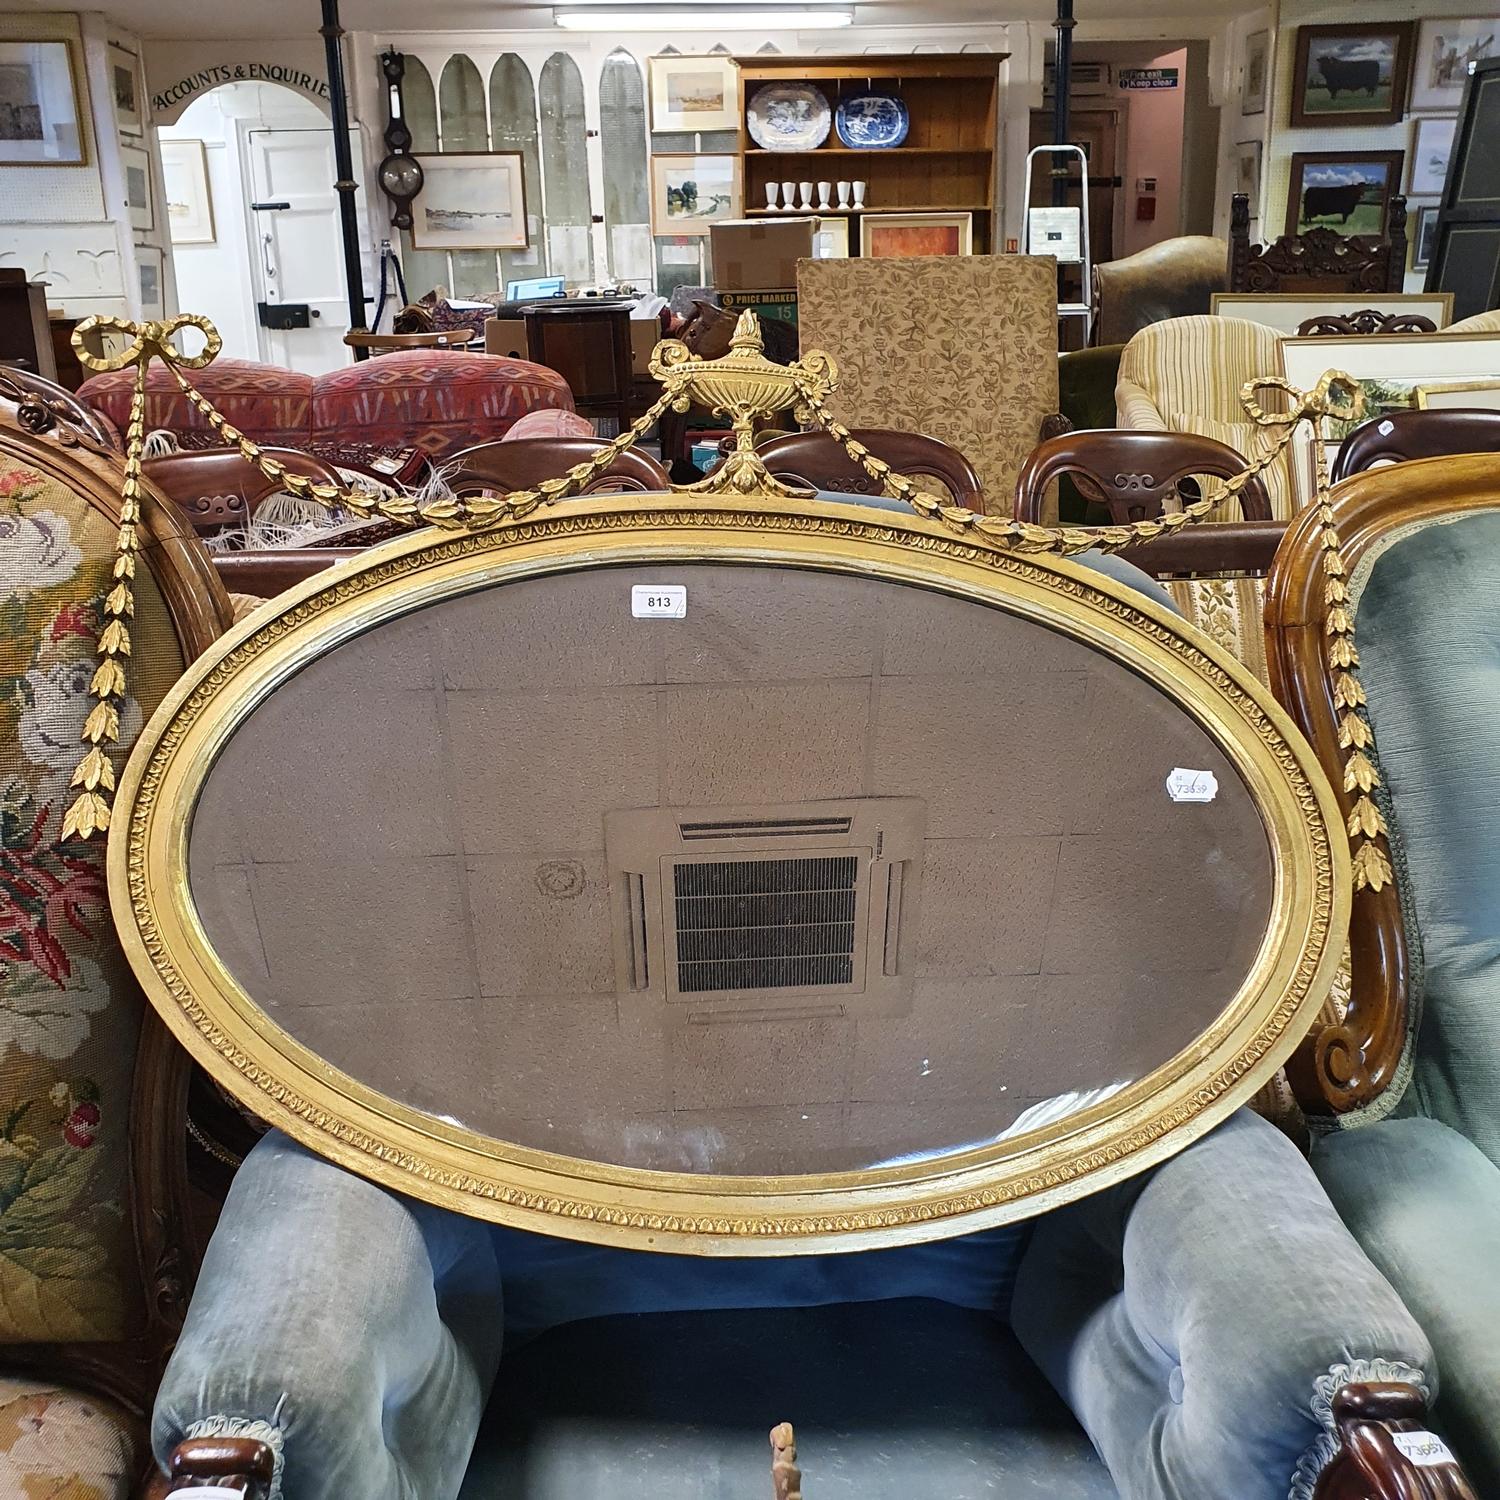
column 903, row 235
column 138, row 197
column 1257, row 67
column 1425, row 237
column 1247, row 174
column 1348, row 192
column 125, row 86
column 1445, row 48
column 1431, row 146
column 1352, row 75
column 190, row 203
column 690, row 193
column 695, row 93
column 470, row 201
column 149, row 265
column 41, row 105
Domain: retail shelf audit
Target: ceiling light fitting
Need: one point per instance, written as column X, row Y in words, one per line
column 725, row 19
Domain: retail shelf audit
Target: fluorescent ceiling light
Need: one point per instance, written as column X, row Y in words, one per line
column 727, row 19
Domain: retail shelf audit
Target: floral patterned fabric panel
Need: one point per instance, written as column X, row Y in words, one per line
column 70, row 1011
column 1229, row 610
column 58, row 1444
column 963, row 348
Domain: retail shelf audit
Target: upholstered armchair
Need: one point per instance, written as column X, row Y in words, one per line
column 1176, row 278
column 1402, row 1082
column 95, row 1244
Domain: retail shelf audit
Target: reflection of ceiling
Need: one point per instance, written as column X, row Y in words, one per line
column 403, row 855
column 288, row 19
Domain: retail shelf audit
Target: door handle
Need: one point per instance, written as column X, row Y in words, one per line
column 265, row 261
column 261, row 208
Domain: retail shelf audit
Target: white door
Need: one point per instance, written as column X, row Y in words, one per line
column 296, row 245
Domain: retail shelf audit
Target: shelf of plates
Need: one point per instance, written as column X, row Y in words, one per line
column 945, row 164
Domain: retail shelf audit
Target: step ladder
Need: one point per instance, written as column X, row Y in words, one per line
column 1068, row 233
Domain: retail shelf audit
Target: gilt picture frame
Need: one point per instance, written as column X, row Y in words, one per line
column 922, row 234
column 690, row 193
column 471, row 201
column 43, row 104
column 694, row 93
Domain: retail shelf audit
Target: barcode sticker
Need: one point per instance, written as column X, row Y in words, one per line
column 1184, row 785
column 1425, row 1449
column 658, row 601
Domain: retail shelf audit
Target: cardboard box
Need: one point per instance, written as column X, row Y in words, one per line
column 645, row 335
column 749, row 253
column 505, row 336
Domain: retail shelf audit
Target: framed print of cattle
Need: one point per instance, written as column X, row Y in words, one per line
column 1352, row 75
column 1348, row 192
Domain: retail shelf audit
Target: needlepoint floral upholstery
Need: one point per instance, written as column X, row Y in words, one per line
column 433, row 402
column 57, row 1444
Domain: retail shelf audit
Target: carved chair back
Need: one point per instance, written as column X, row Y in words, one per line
column 1404, row 435
column 815, row 458
column 518, row 465
column 1320, row 260
column 100, row 1253
column 1348, row 1061
column 1366, row 320
column 217, row 488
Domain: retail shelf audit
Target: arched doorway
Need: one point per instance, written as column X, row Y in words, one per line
column 265, row 262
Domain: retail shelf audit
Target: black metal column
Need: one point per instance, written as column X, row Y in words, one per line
column 1062, row 84
column 346, row 187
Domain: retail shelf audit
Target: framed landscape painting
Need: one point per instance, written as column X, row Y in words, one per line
column 1352, row 75
column 190, row 204
column 1446, row 47
column 41, row 105
column 695, row 93
column 471, row 201
column 689, row 193
column 1346, row 191
column 1431, row 146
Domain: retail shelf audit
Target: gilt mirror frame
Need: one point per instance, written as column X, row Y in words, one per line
column 412, row 1152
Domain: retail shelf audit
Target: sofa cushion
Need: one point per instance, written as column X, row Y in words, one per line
column 552, row 421
column 58, row 1444
column 70, row 1012
column 890, row 1401
column 271, row 405
column 436, row 401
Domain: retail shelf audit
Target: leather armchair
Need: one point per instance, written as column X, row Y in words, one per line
column 1174, row 279
column 1403, row 1089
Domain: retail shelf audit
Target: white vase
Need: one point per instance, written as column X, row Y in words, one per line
column 805, row 189
column 771, row 190
column 843, row 195
column 859, row 194
column 825, row 202
column 788, row 197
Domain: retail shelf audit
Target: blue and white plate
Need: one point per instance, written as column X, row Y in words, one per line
column 788, row 117
column 873, row 121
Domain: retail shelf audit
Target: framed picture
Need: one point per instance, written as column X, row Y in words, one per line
column 1431, row 146
column 150, row 266
column 138, row 196
column 41, row 105
column 689, row 193
column 695, row 93
column 1247, row 173
column 1257, row 66
column 916, row 234
column 190, row 203
column 1464, row 394
column 1424, row 238
column 471, row 201
column 1286, row 312
column 125, row 86
column 831, row 238
column 1346, row 191
column 1445, row 48
column 1351, row 75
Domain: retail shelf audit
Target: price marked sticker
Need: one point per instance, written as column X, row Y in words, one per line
column 658, row 601
column 1425, row 1449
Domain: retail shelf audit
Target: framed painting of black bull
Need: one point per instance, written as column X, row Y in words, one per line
column 1348, row 192
column 1352, row 75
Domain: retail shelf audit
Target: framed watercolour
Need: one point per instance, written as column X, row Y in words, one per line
column 695, row 93
column 1351, row 75
column 1431, row 146
column 190, row 203
column 689, row 193
column 893, row 235
column 1247, row 173
column 1257, row 67
column 125, row 88
column 471, row 201
column 150, row 268
column 1346, row 191
column 138, row 195
column 1286, row 312
column 41, row 105
column 1445, row 48
column 1464, row 395
column 1424, row 237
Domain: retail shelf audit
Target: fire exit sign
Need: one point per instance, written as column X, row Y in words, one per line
column 1148, row 78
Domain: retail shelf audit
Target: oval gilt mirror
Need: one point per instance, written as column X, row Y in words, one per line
column 733, row 878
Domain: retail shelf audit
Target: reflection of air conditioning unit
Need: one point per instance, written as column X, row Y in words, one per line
column 767, row 908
